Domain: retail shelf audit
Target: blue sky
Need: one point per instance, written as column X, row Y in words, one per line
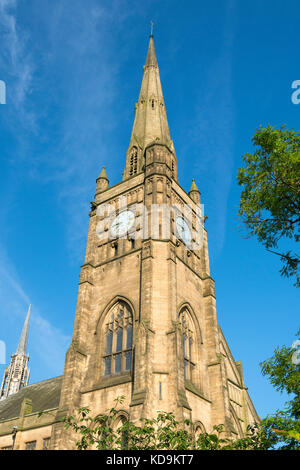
column 73, row 72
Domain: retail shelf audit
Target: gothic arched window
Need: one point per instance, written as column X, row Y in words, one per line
column 187, row 331
column 199, row 430
column 123, row 433
column 118, row 340
column 133, row 161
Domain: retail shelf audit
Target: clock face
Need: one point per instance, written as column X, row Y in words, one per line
column 183, row 230
column 122, row 223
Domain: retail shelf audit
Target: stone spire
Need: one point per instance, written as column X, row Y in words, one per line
column 194, row 193
column 102, row 181
column 103, row 174
column 22, row 346
column 151, row 56
column 16, row 375
column 150, row 120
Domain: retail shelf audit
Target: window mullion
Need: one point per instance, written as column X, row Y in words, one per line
column 121, row 317
column 124, row 338
column 114, row 347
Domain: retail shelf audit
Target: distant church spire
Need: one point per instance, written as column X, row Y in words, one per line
column 22, row 347
column 150, row 120
column 16, row 375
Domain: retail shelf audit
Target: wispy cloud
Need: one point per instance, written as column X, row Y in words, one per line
column 68, row 91
column 66, row 85
column 86, row 97
column 47, row 343
column 16, row 62
column 214, row 131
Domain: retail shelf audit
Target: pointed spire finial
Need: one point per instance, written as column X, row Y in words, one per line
column 194, row 186
column 152, row 24
column 102, row 181
column 151, row 56
column 22, row 346
column 103, row 173
column 194, row 192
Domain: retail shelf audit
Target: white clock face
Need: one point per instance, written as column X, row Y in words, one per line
column 183, row 230
column 122, row 223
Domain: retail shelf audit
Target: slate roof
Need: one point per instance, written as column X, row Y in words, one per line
column 44, row 395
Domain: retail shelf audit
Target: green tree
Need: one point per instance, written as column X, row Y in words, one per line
column 283, row 371
column 163, row 433
column 270, row 198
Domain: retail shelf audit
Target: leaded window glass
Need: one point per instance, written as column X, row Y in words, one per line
column 109, row 338
column 118, row 363
column 46, row 443
column 128, row 360
column 107, row 365
column 30, row 445
column 118, row 340
column 129, row 336
column 187, row 343
column 123, row 433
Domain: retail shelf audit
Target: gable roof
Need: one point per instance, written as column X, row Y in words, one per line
column 234, row 368
column 44, row 395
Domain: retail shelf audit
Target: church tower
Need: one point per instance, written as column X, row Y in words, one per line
column 16, row 376
column 146, row 323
